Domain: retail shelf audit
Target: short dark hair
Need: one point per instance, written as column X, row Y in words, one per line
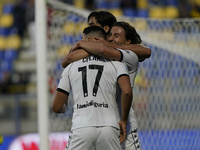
column 96, row 31
column 103, row 18
column 130, row 32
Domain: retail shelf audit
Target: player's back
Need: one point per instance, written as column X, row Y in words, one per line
column 94, row 81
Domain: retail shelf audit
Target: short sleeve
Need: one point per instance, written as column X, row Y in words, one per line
column 64, row 85
column 122, row 70
column 130, row 59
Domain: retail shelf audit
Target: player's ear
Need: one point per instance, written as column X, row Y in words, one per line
column 128, row 42
column 106, row 28
column 89, row 39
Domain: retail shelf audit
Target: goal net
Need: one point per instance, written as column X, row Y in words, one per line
column 64, row 28
column 167, row 86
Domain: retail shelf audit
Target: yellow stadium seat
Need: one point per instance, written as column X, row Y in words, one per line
column 64, row 50
column 81, row 26
column 157, row 12
column 13, row 42
column 116, row 11
column 2, row 42
column 69, row 28
column 197, row 2
column 140, row 25
column 9, row 1
column 6, row 20
column 142, row 4
column 171, row 12
column 0, row 8
column 195, row 13
column 79, row 3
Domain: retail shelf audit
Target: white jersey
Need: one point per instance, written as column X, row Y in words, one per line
column 93, row 81
column 131, row 60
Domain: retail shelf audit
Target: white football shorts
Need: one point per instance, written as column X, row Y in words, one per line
column 132, row 141
column 94, row 138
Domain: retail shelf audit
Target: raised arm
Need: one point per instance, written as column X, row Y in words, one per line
column 74, row 56
column 84, row 48
column 141, row 51
column 100, row 49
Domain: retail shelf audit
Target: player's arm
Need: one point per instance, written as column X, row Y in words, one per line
column 126, row 100
column 84, row 48
column 126, row 56
column 60, row 102
column 100, row 49
column 126, row 97
column 141, row 51
column 74, row 56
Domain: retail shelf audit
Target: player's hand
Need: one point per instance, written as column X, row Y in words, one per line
column 75, row 46
column 101, row 40
column 66, row 103
column 64, row 108
column 122, row 126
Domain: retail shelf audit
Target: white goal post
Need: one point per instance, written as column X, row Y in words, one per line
column 41, row 63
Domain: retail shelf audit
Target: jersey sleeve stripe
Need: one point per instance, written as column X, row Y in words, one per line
column 121, row 55
column 122, row 75
column 63, row 91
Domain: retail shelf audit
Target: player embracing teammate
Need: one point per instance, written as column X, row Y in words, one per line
column 123, row 45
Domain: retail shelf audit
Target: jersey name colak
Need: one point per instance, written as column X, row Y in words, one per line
column 91, row 58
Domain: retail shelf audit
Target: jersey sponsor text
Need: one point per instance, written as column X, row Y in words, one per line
column 92, row 103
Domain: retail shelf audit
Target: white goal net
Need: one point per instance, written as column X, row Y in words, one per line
column 167, row 86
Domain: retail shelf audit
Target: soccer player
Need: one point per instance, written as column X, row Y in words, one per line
column 121, row 33
column 105, row 20
column 93, row 82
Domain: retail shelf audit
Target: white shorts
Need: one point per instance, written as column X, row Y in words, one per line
column 94, row 138
column 131, row 142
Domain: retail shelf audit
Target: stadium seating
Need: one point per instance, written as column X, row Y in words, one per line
column 10, row 55
column 156, row 12
column 6, row 20
column 7, row 9
column 102, row 4
column 142, row 13
column 79, row 3
column 172, row 3
column 171, row 12
column 6, row 65
column 13, row 42
column 10, row 42
column 2, row 42
column 142, row 4
column 151, row 8
column 130, row 12
column 116, row 11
